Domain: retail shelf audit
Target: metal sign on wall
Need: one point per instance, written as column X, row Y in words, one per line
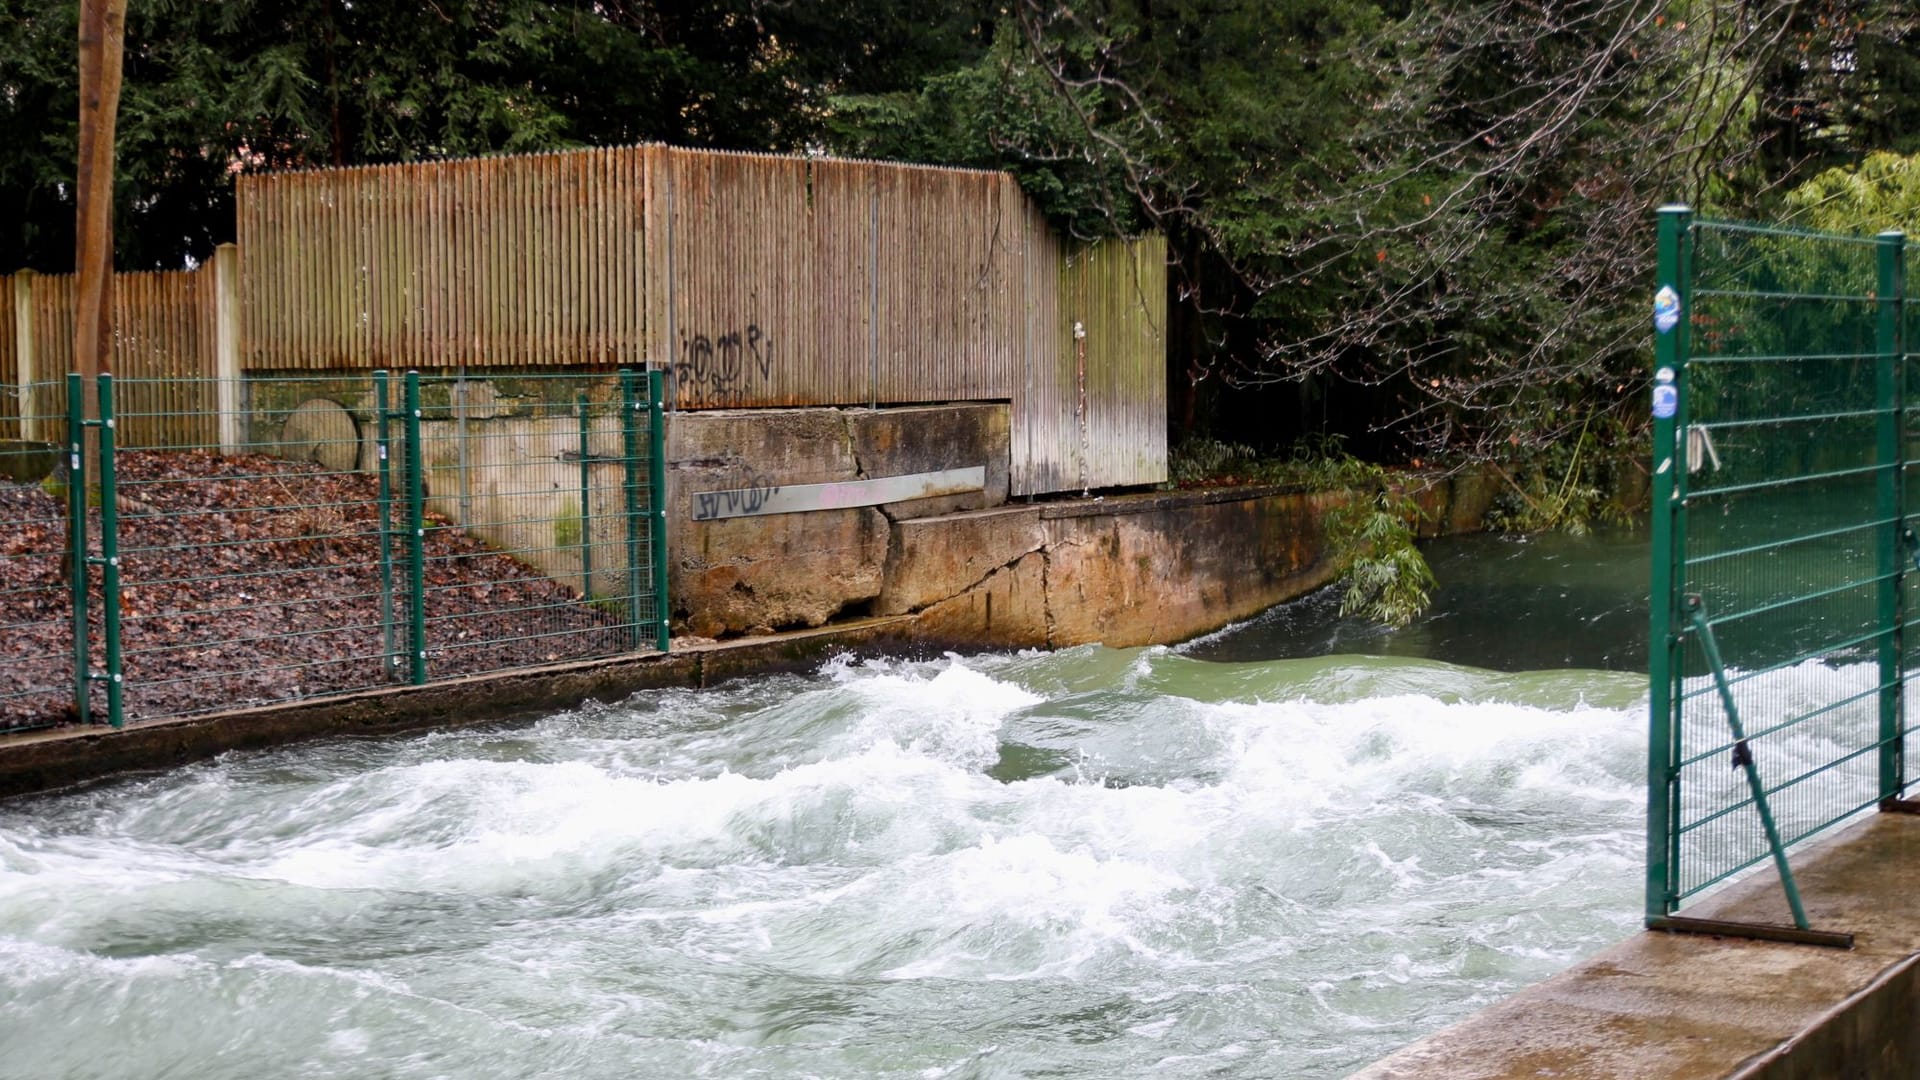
column 794, row 498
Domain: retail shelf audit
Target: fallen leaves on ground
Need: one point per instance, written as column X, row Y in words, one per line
column 248, row 579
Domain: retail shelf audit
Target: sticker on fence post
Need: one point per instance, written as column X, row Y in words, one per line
column 1666, row 396
column 1666, row 309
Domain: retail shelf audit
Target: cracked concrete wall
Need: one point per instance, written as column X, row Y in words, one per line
column 767, row 572
column 928, row 438
column 1158, row 569
column 937, row 558
column 1126, row 570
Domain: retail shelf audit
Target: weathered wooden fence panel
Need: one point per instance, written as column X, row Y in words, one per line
column 163, row 356
column 163, row 359
column 12, row 393
column 50, row 321
column 757, row 280
column 516, row 261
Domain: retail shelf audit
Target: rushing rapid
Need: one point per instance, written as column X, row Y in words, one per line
column 1093, row 863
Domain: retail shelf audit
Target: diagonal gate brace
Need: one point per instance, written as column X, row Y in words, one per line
column 1799, row 932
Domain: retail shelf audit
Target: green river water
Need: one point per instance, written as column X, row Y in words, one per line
column 1263, row 854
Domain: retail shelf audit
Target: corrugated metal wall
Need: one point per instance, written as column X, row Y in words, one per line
column 950, row 303
column 1093, row 411
column 738, row 282
column 797, row 282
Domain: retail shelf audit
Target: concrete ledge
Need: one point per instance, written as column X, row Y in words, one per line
column 1682, row 1007
column 47, row 760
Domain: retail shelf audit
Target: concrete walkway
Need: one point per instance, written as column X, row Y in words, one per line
column 1684, row 1007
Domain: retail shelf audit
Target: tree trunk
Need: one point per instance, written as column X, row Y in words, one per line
column 102, row 35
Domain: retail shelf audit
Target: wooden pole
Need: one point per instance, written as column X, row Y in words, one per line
column 102, row 35
column 33, row 426
column 226, row 344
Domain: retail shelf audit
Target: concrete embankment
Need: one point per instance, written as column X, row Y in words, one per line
column 1688, row 1007
column 62, row 757
column 983, row 567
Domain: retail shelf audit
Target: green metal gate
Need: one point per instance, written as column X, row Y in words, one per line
column 1778, row 650
column 345, row 532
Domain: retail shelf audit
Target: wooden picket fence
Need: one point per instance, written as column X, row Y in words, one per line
column 757, row 280
column 163, row 347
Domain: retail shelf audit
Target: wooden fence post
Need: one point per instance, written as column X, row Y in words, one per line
column 226, row 345
column 30, row 423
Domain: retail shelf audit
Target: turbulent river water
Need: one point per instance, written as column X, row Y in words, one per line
column 1233, row 858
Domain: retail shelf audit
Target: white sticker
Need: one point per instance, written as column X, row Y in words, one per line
column 1666, row 401
column 1666, row 309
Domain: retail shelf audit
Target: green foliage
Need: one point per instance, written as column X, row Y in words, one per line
column 569, row 527
column 1881, row 192
column 1317, row 464
column 1005, row 112
column 1371, row 536
column 1388, row 580
column 1195, row 460
column 1571, row 484
column 1442, row 205
column 212, row 89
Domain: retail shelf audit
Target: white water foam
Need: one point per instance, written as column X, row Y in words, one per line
column 1377, row 850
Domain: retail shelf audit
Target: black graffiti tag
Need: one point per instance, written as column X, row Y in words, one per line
column 722, row 370
column 713, row 505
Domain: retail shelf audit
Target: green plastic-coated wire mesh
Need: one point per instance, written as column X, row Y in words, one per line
column 1783, row 479
column 324, row 534
column 36, row 595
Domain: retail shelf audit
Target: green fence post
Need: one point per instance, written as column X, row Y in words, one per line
column 1889, row 456
column 657, row 500
column 77, row 544
column 630, row 482
column 1669, row 379
column 383, row 406
column 586, row 498
column 416, row 535
column 110, row 555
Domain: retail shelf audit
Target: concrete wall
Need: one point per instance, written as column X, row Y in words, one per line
column 1130, row 569
column 1663, row 1006
column 1124, row 569
column 762, row 573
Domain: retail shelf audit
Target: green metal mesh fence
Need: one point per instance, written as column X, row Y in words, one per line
column 1779, row 550
column 36, row 600
column 345, row 533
